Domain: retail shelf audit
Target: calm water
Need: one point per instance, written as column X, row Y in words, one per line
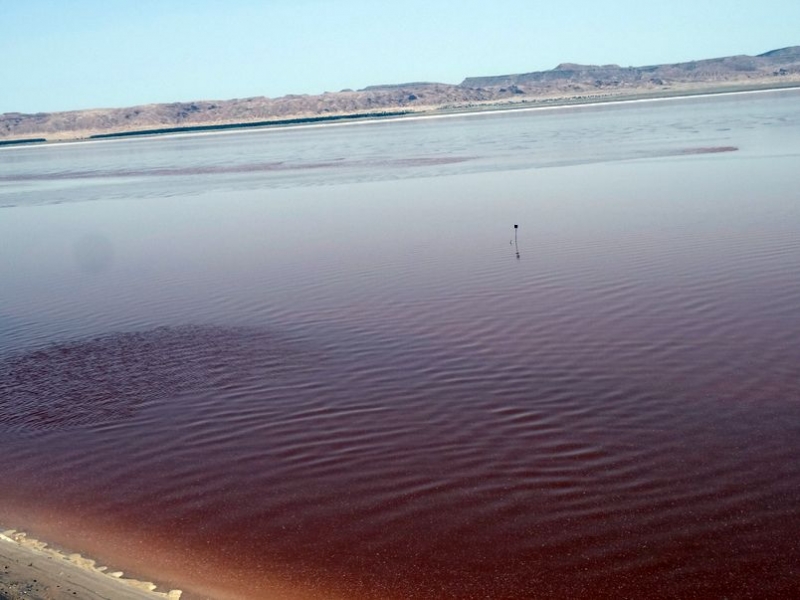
column 315, row 363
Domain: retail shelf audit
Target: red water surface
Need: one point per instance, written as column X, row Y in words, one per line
column 375, row 391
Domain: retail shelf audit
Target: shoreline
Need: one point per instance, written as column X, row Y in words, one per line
column 30, row 569
column 440, row 112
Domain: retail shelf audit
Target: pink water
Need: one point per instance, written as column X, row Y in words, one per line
column 361, row 391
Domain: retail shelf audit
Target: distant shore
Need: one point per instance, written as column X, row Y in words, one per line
column 439, row 111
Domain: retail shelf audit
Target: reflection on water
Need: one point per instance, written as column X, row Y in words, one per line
column 516, row 240
column 358, row 390
column 280, row 159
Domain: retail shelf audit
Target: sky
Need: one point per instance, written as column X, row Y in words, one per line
column 76, row 54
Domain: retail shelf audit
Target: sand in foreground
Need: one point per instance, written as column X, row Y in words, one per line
column 30, row 570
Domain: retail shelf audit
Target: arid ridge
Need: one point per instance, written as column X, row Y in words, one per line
column 567, row 83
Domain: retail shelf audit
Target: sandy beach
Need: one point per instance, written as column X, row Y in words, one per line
column 30, row 569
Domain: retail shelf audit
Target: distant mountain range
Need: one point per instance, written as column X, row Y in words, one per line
column 567, row 83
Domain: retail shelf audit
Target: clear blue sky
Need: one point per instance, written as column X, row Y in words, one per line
column 70, row 54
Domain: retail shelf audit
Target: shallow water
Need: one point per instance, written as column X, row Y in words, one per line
column 344, row 377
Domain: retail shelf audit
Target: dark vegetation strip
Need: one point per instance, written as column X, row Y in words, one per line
column 297, row 121
column 26, row 141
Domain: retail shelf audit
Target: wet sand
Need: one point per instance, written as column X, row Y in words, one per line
column 29, row 569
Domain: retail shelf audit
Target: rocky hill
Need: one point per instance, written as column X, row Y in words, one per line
column 777, row 63
column 567, row 82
